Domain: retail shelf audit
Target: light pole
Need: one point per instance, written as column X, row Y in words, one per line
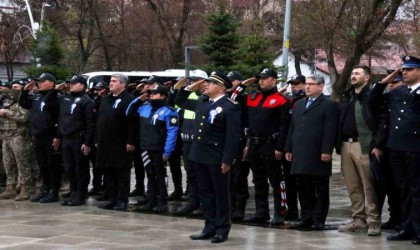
column 31, row 19
column 286, row 35
column 43, row 14
column 187, row 59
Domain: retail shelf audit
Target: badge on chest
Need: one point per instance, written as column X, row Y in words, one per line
column 213, row 113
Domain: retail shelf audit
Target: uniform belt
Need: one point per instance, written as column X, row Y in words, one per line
column 355, row 139
column 261, row 140
column 75, row 135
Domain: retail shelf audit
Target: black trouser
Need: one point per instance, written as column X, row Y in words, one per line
column 264, row 166
column 291, row 189
column 97, row 171
column 175, row 165
column 139, row 169
column 406, row 168
column 314, row 198
column 49, row 162
column 191, row 171
column 239, row 193
column 214, row 193
column 156, row 175
column 76, row 165
column 118, row 184
column 386, row 185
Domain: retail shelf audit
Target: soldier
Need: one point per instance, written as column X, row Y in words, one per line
column 76, row 127
column 404, row 146
column 43, row 118
column 116, row 135
column 158, row 133
column 267, row 117
column 14, row 134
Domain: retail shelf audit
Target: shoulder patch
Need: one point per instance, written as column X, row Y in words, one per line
column 173, row 120
column 232, row 101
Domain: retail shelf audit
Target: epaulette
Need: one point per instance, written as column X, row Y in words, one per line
column 232, row 101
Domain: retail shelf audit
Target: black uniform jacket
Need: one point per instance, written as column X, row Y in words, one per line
column 43, row 111
column 114, row 130
column 404, row 117
column 218, row 128
column 312, row 132
column 77, row 117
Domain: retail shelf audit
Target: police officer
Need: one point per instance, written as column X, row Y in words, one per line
column 158, row 133
column 116, row 136
column 213, row 150
column 267, row 117
column 188, row 130
column 43, row 118
column 404, row 146
column 99, row 90
column 76, row 127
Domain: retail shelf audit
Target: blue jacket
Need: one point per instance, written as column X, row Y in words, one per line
column 158, row 127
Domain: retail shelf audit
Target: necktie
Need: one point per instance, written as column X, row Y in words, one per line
column 309, row 103
column 211, row 102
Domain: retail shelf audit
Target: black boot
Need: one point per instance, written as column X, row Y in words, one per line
column 51, row 197
column 38, row 197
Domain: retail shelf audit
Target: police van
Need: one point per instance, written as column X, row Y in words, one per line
column 133, row 76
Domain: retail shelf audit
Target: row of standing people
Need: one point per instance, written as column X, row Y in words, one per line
column 317, row 125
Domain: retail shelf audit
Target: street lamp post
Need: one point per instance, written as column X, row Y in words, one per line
column 286, row 35
column 187, row 59
column 43, row 14
column 31, row 19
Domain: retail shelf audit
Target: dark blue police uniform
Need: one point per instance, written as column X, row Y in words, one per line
column 216, row 141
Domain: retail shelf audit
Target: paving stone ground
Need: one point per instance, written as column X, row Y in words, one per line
column 26, row 225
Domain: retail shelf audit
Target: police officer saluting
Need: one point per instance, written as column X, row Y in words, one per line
column 76, row 127
column 404, row 145
column 43, row 118
column 213, row 151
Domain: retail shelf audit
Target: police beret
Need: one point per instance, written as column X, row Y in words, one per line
column 5, row 84
column 266, row 73
column 220, row 78
column 20, row 82
column 410, row 62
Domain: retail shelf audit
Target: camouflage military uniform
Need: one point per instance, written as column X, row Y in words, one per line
column 16, row 151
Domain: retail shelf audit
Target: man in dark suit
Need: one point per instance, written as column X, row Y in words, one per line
column 213, row 151
column 115, row 139
column 404, row 146
column 309, row 146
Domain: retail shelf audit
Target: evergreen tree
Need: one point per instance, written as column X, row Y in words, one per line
column 48, row 54
column 254, row 53
column 221, row 41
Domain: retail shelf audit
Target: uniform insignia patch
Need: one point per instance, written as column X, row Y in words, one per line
column 174, row 121
column 407, row 58
column 232, row 101
column 273, row 101
column 77, row 99
column 219, row 110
